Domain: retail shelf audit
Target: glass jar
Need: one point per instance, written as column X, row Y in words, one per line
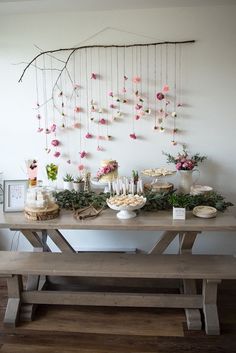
column 39, row 198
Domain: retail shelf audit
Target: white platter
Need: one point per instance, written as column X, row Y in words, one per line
column 205, row 211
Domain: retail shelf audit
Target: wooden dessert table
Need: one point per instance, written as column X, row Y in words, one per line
column 36, row 232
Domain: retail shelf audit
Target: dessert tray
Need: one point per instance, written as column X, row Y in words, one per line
column 205, row 211
column 126, row 205
column 158, row 172
column 158, row 184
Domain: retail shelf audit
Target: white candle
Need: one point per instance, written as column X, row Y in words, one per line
column 138, row 186
column 141, row 185
column 124, row 188
column 132, row 188
column 117, row 189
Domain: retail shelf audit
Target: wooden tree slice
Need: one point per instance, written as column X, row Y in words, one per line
column 43, row 214
column 158, row 187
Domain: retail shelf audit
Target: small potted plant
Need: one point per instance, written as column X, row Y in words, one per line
column 78, row 184
column 68, row 182
column 179, row 202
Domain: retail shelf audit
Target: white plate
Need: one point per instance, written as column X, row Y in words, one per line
column 205, row 211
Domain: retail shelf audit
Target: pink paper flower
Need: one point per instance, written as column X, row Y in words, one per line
column 137, row 117
column 83, row 154
column 160, row 96
column 53, row 128
column 77, row 109
column 102, row 121
column 76, row 125
column 110, row 94
column 93, row 76
column 88, row 135
column 133, row 136
column 99, row 148
column 55, row 143
column 81, row 167
column 138, row 106
column 57, row 154
column 165, row 89
column 136, row 79
column 40, row 129
column 124, row 90
column 112, row 106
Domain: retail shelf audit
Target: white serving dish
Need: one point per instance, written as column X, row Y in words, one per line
column 205, row 211
column 126, row 211
column 200, row 189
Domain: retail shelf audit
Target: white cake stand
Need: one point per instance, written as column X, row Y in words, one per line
column 126, row 212
column 99, row 184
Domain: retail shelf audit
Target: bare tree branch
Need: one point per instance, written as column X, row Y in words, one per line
column 93, row 46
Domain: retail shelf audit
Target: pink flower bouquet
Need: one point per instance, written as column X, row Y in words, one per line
column 183, row 161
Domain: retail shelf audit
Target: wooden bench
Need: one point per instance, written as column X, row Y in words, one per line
column 210, row 269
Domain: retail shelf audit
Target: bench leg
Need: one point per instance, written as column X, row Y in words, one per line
column 39, row 244
column 14, row 285
column 193, row 316
column 209, row 291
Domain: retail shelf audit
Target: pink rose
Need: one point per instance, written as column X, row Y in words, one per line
column 178, row 166
column 55, row 143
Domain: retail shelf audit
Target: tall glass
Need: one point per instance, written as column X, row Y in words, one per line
column 52, row 172
column 32, row 171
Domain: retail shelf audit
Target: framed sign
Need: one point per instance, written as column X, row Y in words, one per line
column 14, row 195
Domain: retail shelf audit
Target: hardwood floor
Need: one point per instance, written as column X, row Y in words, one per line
column 105, row 330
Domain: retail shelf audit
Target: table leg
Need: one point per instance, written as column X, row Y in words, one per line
column 162, row 244
column 209, row 291
column 60, row 240
column 189, row 286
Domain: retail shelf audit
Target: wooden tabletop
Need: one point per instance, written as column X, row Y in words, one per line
column 148, row 221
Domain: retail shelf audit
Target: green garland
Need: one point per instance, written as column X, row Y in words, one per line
column 73, row 200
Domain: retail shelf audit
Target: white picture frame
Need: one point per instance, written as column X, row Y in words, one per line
column 14, row 195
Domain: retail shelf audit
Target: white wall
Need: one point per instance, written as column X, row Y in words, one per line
column 209, row 84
